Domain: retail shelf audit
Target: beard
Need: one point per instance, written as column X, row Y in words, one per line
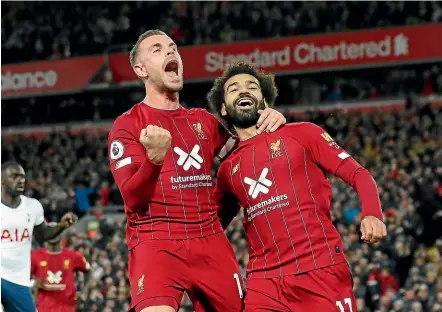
column 242, row 118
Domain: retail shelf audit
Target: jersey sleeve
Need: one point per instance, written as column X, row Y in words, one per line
column 134, row 173
column 223, row 141
column 330, row 156
column 125, row 152
column 228, row 205
column 322, row 147
column 39, row 213
column 80, row 263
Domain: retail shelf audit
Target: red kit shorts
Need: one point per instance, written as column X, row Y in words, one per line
column 206, row 268
column 324, row 290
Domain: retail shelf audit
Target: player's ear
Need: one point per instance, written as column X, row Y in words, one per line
column 223, row 110
column 140, row 70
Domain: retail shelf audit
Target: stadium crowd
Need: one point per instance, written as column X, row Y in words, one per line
column 401, row 149
column 368, row 84
column 69, row 171
column 50, row 30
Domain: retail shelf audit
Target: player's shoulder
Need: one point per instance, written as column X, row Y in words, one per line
column 301, row 125
column 128, row 119
column 202, row 113
column 301, row 129
column 39, row 251
column 230, row 162
column 71, row 253
column 30, row 202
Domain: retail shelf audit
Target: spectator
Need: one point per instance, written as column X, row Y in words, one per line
column 388, row 281
column 41, row 30
column 401, row 149
column 105, row 194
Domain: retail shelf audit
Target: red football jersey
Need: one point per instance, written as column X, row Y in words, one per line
column 173, row 200
column 58, row 271
column 280, row 180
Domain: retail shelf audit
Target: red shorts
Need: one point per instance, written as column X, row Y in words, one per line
column 206, row 268
column 327, row 289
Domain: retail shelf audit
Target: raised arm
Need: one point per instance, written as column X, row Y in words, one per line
column 136, row 162
column 44, row 231
column 330, row 156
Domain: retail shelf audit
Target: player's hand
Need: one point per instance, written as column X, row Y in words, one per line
column 373, row 230
column 270, row 120
column 68, row 220
column 39, row 283
column 156, row 140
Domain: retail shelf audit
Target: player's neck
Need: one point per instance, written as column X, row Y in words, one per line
column 10, row 201
column 161, row 99
column 54, row 249
column 245, row 134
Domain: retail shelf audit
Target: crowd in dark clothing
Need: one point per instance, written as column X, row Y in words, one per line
column 402, row 150
column 55, row 30
column 307, row 90
column 68, row 171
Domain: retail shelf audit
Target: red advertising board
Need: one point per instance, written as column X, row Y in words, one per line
column 307, row 53
column 49, row 76
column 290, row 54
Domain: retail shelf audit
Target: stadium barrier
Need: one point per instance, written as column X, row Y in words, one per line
column 97, row 127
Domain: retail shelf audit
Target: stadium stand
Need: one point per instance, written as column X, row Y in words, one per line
column 40, row 30
column 62, row 139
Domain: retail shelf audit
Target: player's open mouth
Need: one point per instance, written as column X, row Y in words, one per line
column 171, row 69
column 245, row 103
column 20, row 188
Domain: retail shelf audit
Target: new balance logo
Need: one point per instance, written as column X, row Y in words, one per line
column 260, row 186
column 189, row 160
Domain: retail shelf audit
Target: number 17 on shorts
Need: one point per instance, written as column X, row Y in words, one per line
column 237, row 278
column 345, row 305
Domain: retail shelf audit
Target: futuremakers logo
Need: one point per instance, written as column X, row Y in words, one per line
column 193, row 159
column 259, row 186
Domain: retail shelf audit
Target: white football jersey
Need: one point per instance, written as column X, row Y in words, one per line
column 17, row 226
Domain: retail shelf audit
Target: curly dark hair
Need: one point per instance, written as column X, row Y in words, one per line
column 215, row 97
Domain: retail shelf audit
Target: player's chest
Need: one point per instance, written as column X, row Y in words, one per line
column 266, row 169
column 54, row 269
column 191, row 144
column 17, row 225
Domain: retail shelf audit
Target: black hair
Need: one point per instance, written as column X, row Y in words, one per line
column 215, row 97
column 10, row 164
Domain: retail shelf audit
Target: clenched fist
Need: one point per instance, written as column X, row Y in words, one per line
column 373, row 230
column 68, row 220
column 156, row 141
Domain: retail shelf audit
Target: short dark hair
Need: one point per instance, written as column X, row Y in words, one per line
column 215, row 97
column 134, row 52
column 10, row 164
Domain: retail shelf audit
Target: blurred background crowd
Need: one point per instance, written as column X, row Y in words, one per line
column 42, row 30
column 67, row 169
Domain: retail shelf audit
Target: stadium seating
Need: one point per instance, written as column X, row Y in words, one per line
column 401, row 149
column 41, row 30
column 62, row 139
